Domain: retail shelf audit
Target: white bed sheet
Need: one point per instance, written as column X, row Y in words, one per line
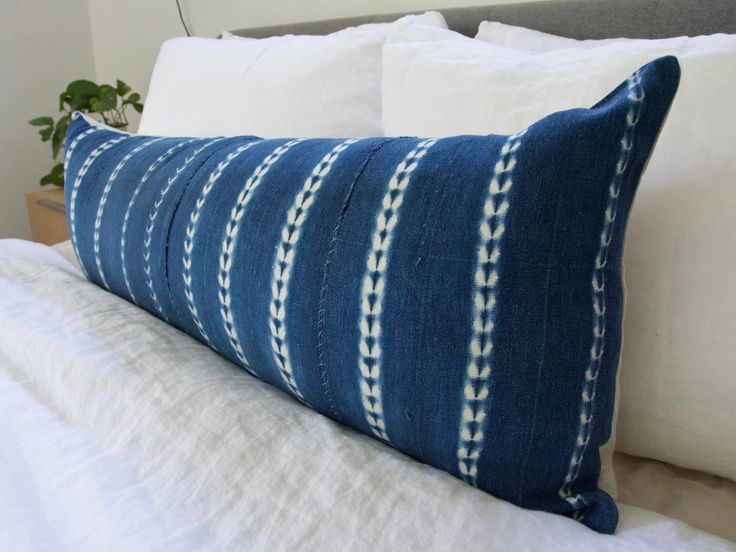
column 133, row 435
column 60, row 491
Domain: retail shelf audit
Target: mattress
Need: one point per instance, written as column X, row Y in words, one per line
column 119, row 431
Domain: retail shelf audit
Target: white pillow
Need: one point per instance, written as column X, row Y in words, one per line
column 678, row 379
column 278, row 86
column 529, row 40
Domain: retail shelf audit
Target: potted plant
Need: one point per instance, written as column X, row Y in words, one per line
column 109, row 103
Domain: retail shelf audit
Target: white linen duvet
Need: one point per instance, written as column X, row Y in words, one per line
column 118, row 432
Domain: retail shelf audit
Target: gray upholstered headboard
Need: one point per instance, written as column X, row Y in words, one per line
column 572, row 18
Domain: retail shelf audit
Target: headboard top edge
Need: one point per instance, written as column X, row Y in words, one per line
column 580, row 19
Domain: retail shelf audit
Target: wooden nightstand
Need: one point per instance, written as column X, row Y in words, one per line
column 47, row 215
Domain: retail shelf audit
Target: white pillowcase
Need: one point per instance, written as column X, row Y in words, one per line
column 529, row 40
column 272, row 87
column 678, row 379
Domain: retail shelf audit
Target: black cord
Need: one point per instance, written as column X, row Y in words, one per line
column 181, row 18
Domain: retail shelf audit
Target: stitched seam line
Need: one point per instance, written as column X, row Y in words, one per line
column 322, row 365
column 128, row 212
column 191, row 232
column 284, row 262
column 229, row 244
column 370, row 323
column 218, row 146
column 151, row 225
column 542, row 356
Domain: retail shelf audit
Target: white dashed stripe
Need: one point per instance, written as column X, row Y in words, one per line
column 228, row 246
column 73, row 146
column 75, row 190
column 124, row 236
column 477, row 377
column 103, row 202
column 284, row 261
column 191, row 233
column 69, row 150
column 153, row 215
column 371, row 302
column 636, row 98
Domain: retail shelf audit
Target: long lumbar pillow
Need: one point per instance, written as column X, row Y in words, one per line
column 458, row 298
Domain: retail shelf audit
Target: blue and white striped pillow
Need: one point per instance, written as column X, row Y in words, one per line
column 459, row 298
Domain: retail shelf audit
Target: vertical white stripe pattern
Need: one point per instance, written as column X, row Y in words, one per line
column 476, row 389
column 635, row 97
column 69, row 150
column 124, row 236
column 153, row 215
column 75, row 190
column 73, row 146
column 103, row 202
column 191, row 233
column 285, row 252
column 371, row 301
column 228, row 246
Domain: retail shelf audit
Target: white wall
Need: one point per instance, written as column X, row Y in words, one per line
column 43, row 46
column 127, row 35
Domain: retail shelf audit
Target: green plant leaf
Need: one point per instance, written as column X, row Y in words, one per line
column 41, row 121
column 107, row 99
column 56, row 176
column 46, row 133
column 64, row 121
column 80, row 92
column 82, row 88
column 133, row 98
column 122, row 89
column 47, row 122
column 57, row 140
column 64, row 97
column 79, row 103
column 87, row 97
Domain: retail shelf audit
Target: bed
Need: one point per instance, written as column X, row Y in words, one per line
column 120, row 431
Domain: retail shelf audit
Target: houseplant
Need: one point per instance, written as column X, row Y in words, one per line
column 106, row 102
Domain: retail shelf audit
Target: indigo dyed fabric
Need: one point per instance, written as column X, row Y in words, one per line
column 458, row 298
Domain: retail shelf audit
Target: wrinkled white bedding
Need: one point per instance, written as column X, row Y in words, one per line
column 165, row 445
